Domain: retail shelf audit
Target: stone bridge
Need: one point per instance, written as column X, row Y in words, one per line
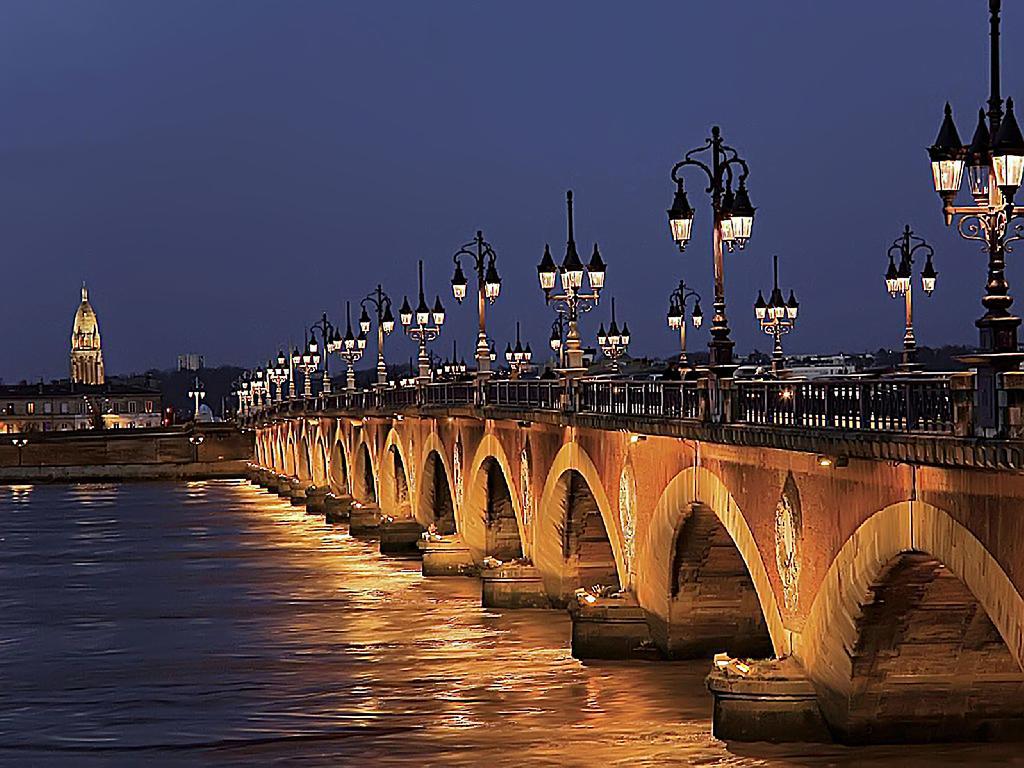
column 853, row 536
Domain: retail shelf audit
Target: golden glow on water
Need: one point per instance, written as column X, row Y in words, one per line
column 215, row 623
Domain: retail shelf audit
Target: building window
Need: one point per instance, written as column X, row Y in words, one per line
column 30, row 407
column 149, row 406
column 63, row 407
column 133, row 406
column 48, row 407
column 10, row 409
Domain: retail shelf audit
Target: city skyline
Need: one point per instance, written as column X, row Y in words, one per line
column 221, row 202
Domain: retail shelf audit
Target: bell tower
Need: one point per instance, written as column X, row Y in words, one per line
column 86, row 354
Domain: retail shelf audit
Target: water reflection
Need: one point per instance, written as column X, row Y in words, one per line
column 211, row 623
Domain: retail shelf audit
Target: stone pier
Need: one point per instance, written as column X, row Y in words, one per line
column 765, row 701
column 336, row 508
column 513, row 585
column 400, row 537
column 610, row 628
column 364, row 519
column 447, row 556
column 297, row 493
column 315, row 504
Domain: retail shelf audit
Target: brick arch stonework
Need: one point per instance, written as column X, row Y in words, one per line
column 469, row 518
column 386, row 478
column 432, row 444
column 339, row 465
column 547, row 535
column 830, row 634
column 654, row 558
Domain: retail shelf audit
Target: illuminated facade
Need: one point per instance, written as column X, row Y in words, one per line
column 62, row 406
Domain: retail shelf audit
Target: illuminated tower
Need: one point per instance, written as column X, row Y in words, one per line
column 86, row 355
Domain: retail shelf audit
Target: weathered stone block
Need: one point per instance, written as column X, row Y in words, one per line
column 447, row 557
column 400, row 537
column 513, row 586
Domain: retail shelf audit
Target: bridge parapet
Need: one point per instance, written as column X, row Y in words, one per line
column 913, row 419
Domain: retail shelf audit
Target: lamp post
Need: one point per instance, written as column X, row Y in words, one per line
column 455, row 369
column 557, row 340
column 381, row 304
column 482, row 259
column 241, row 390
column 196, row 441
column 615, row 342
column 732, row 221
column 777, row 316
column 306, row 362
column 278, row 374
column 197, row 393
column 422, row 330
column 899, row 280
column 994, row 161
column 519, row 359
column 677, row 302
column 330, row 340
column 260, row 387
column 572, row 300
column 350, row 349
column 20, row 443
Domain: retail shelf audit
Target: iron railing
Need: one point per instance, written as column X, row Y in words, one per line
column 531, row 394
column 649, row 399
column 448, row 393
column 896, row 404
column 889, row 405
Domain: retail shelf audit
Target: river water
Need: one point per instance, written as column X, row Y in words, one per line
column 213, row 624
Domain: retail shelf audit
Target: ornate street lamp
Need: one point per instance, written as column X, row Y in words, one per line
column 277, row 374
column 306, row 361
column 350, row 349
column 677, row 301
column 572, row 300
column 241, row 391
column 994, row 162
column 454, row 369
column 615, row 342
column 482, row 259
column 519, row 359
column 380, row 302
column 733, row 219
column 422, row 326
column 198, row 393
column 777, row 316
column 259, row 386
column 330, row 341
column 899, row 280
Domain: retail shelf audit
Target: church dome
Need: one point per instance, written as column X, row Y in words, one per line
column 86, row 331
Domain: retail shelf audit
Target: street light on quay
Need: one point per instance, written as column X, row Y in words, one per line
column 777, row 316
column 614, row 343
column 196, row 393
column 677, row 302
column 330, row 341
column 380, row 302
column 482, row 258
column 306, row 361
column 994, row 162
column 899, row 280
column 423, row 326
column 350, row 349
column 520, row 358
column 572, row 300
column 732, row 221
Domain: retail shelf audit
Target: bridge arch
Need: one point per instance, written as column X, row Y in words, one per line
column 338, row 468
column 913, row 582
column 364, row 483
column 491, row 518
column 290, row 452
column 576, row 539
column 435, row 497
column 695, row 520
column 395, row 492
column 319, row 461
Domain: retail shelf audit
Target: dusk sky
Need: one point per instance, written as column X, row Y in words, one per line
column 221, row 172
